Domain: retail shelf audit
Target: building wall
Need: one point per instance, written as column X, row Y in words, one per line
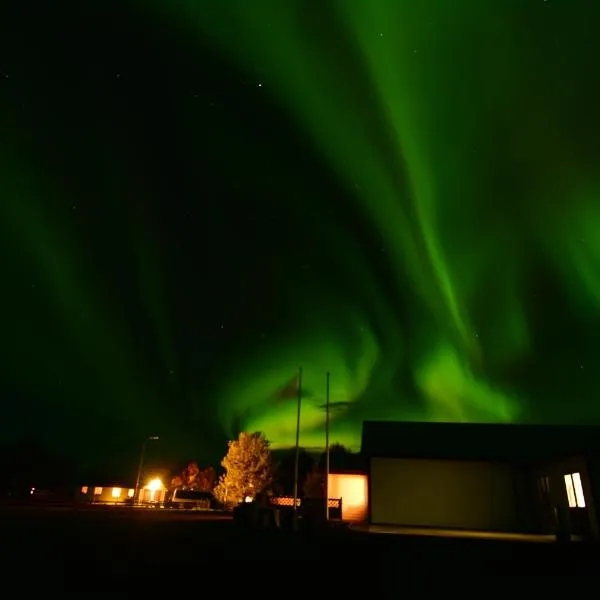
column 554, row 473
column 443, row 493
column 119, row 495
column 354, row 493
column 593, row 492
column 105, row 494
column 151, row 496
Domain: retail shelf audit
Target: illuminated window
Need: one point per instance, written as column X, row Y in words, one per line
column 97, row 491
column 574, row 490
column 353, row 491
column 116, row 492
column 84, row 489
column 130, row 493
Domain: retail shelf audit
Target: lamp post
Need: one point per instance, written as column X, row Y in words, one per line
column 327, row 453
column 140, row 467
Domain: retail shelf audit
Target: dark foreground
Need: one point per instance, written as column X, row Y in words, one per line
column 134, row 545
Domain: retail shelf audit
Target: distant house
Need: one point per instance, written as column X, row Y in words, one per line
column 504, row 478
column 106, row 494
column 153, row 492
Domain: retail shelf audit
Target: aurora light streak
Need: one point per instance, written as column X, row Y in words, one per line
column 451, row 270
column 400, row 98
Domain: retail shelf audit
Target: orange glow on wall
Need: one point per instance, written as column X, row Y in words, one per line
column 353, row 490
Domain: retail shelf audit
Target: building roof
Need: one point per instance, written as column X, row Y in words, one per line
column 477, row 441
column 123, row 486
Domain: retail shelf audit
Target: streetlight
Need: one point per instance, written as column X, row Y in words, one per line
column 141, row 465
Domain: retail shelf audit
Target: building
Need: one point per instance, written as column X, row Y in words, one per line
column 487, row 477
column 352, row 488
column 106, row 494
column 153, row 492
column 347, row 498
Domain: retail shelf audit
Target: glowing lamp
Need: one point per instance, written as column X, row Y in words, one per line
column 155, row 485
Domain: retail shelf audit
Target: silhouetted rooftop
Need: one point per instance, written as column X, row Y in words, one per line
column 472, row 441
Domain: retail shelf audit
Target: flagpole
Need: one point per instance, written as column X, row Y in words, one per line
column 297, row 457
column 327, row 448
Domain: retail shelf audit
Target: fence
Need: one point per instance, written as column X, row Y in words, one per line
column 311, row 506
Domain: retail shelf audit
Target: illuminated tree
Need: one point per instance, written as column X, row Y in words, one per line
column 190, row 476
column 176, row 482
column 248, row 469
column 194, row 478
column 206, row 479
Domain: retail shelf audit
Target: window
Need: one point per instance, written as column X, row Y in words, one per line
column 574, row 490
column 97, row 491
column 130, row 493
column 116, row 492
column 84, row 489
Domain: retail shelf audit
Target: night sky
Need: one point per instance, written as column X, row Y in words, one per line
column 198, row 197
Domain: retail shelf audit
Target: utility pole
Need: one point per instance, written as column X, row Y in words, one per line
column 327, row 409
column 297, row 457
column 140, row 467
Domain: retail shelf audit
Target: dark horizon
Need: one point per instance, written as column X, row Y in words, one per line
column 31, row 463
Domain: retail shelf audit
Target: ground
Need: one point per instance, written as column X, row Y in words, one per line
column 136, row 545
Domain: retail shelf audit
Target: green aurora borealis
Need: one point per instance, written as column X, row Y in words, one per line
column 442, row 261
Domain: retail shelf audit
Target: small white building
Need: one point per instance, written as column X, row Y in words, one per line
column 486, row 477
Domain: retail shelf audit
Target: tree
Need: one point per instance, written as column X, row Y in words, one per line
column 340, row 458
column 248, row 469
column 176, row 482
column 314, row 485
column 194, row 478
column 206, row 479
column 285, row 470
column 190, row 476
